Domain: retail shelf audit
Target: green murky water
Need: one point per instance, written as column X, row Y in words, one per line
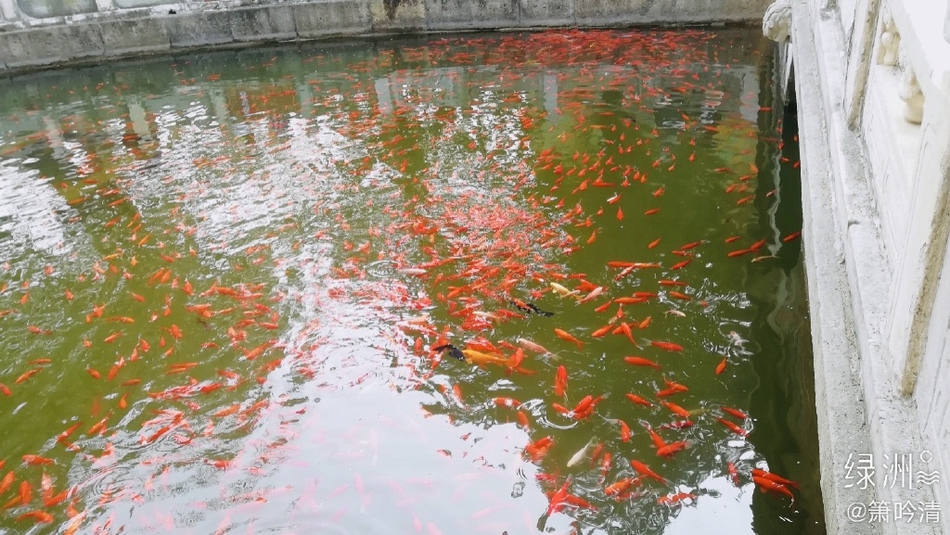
column 223, row 277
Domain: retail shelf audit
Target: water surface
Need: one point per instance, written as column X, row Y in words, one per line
column 224, row 276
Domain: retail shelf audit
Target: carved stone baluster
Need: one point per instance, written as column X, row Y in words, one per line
column 777, row 22
column 909, row 91
column 890, row 40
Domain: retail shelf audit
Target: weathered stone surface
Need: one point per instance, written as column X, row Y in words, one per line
column 123, row 37
column 333, row 17
column 53, row 44
column 471, row 14
column 547, row 13
column 200, row 28
column 401, row 15
column 263, row 23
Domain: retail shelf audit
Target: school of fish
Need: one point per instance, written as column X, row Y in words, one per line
column 175, row 334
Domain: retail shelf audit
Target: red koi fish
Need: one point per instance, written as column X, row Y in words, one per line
column 645, row 471
column 673, row 499
column 769, row 485
column 640, row 361
column 36, row 460
column 27, row 375
column 666, row 346
column 558, row 499
column 732, row 427
column 624, row 430
column 507, row 402
column 774, row 477
column 638, row 400
column 41, row 517
column 621, row 486
column 7, row 482
column 539, row 448
column 734, row 473
column 737, row 413
column 603, row 330
column 721, row 367
column 566, row 336
column 670, row 449
column 658, row 441
column 560, row 381
column 680, row 411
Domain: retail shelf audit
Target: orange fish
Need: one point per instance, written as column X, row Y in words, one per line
column 621, row 486
column 39, row 516
column 672, row 499
column 681, row 265
column 738, row 414
column 7, row 482
column 507, row 402
column 676, row 409
column 774, row 477
column 670, row 449
column 721, row 367
column 645, row 471
column 732, row 427
column 112, row 337
column 638, row 400
column 767, row 484
column 36, row 460
column 624, row 430
column 734, row 473
column 26, row 492
column 566, row 336
column 27, row 375
column 658, row 441
column 667, row 346
column 640, row 361
column 560, row 381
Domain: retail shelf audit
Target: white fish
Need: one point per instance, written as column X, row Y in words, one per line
column 564, row 292
column 581, row 453
column 736, row 339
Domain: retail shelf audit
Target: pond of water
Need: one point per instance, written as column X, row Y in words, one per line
column 224, row 278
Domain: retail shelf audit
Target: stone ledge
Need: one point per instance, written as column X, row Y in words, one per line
column 36, row 43
column 848, row 269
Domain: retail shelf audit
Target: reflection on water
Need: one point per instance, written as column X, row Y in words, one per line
column 224, row 278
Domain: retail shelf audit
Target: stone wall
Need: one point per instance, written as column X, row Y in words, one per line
column 873, row 84
column 39, row 33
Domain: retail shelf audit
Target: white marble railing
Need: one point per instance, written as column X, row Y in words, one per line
column 873, row 89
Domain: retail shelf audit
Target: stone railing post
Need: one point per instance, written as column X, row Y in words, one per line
column 8, row 10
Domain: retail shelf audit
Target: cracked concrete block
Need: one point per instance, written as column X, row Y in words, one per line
column 332, row 17
column 547, row 13
column 198, row 29
column 471, row 14
column 263, row 23
column 53, row 44
column 126, row 37
column 398, row 15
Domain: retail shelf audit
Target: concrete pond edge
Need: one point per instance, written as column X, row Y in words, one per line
column 30, row 44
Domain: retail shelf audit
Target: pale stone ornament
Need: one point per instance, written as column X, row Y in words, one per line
column 777, row 22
